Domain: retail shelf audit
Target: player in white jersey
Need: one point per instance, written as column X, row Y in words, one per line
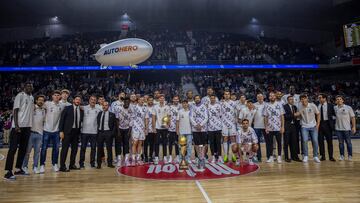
column 259, row 125
column 116, row 104
column 133, row 100
column 274, row 126
column 160, row 127
column 173, row 137
column 21, row 125
column 139, row 126
column 89, row 131
column 214, row 129
column 149, row 143
column 36, row 135
column 344, row 126
column 248, row 112
column 206, row 100
column 247, row 142
column 123, row 114
column 199, row 118
column 51, row 130
column 229, row 120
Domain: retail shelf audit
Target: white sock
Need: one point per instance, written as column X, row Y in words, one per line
column 225, row 146
column 127, row 157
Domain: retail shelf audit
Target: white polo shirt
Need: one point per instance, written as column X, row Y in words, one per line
column 25, row 104
column 184, row 122
column 308, row 115
column 89, row 125
column 343, row 114
column 258, row 117
column 38, row 120
column 52, row 117
column 160, row 112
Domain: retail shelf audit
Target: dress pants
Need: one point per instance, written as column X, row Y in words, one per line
column 71, row 139
column 107, row 137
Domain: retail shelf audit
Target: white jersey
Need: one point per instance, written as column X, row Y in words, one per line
column 53, row 114
column 214, row 123
column 115, row 106
column 25, row 104
column 124, row 117
column 246, row 137
column 228, row 112
column 173, row 113
column 160, row 112
column 343, row 114
column 273, row 111
column 138, row 116
column 38, row 120
column 246, row 113
column 150, row 110
column 206, row 100
column 184, row 122
column 199, row 116
column 259, row 117
column 89, row 124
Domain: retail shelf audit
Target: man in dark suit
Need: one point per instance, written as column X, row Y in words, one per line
column 291, row 132
column 107, row 126
column 70, row 125
column 327, row 124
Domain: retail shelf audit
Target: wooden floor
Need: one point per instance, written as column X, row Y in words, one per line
column 286, row 182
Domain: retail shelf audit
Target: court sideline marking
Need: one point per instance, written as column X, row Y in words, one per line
column 203, row 192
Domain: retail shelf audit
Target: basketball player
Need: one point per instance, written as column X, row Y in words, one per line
column 139, row 120
column 150, row 138
column 247, row 142
column 214, row 129
column 173, row 137
column 199, row 119
column 123, row 114
column 116, row 104
column 274, row 126
column 20, row 132
column 228, row 111
column 206, row 100
column 190, row 97
column 159, row 112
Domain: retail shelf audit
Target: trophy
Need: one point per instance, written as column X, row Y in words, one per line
column 165, row 121
column 182, row 143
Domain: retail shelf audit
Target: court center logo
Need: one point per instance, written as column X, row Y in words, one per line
column 172, row 171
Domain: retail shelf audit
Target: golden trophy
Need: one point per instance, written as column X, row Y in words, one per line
column 182, row 142
column 165, row 121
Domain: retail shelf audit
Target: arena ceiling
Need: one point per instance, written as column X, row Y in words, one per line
column 311, row 14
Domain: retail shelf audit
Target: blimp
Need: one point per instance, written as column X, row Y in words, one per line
column 124, row 52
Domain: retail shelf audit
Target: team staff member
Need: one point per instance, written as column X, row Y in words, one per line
column 107, row 125
column 70, row 125
column 20, row 131
column 259, row 124
column 327, row 126
column 183, row 127
column 291, row 132
column 89, row 131
column 345, row 125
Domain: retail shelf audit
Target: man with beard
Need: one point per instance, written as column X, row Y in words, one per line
column 214, row 129
column 150, row 138
column 173, row 138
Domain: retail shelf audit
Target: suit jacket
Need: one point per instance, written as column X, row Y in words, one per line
column 67, row 119
column 289, row 116
column 331, row 115
column 112, row 121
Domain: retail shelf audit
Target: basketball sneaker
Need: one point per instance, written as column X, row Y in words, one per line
column 270, row 160
column 9, row 176
column 170, row 159
column 279, row 160
column 118, row 163
column 36, row 170
column 165, row 160
column 226, row 159
column 213, row 160
column 233, row 158
column 305, row 159
column 316, row 159
column 350, row 158
column 55, row 168
column 26, row 170
column 42, row 169
column 341, row 158
column 220, row 160
column 156, row 161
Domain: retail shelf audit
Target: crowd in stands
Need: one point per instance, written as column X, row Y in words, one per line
column 201, row 47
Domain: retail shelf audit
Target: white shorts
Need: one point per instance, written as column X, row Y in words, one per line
column 138, row 136
column 229, row 131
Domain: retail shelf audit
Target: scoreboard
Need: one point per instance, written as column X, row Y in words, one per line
column 352, row 34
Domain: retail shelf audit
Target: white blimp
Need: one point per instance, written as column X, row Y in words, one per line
column 125, row 52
